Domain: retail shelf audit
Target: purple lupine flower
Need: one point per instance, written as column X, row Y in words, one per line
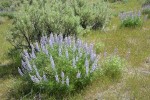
column 77, row 58
column 92, row 56
column 56, row 38
column 33, row 54
column 43, row 41
column 78, row 75
column 46, row 51
column 37, row 73
column 37, row 46
column 67, row 81
column 28, row 64
column 94, row 66
column 56, row 78
column 51, row 43
column 139, row 13
column 34, row 79
column 52, row 37
column 66, row 40
column 74, row 62
column 42, row 47
column 23, row 64
column 26, row 53
column 60, row 38
column 91, row 48
column 66, row 52
column 45, row 38
column 86, row 63
column 62, row 76
column 87, row 66
column 85, row 46
column 52, row 62
column 20, row 72
column 74, row 48
column 69, row 41
column 87, row 49
column 80, row 54
column 79, row 43
column 44, row 77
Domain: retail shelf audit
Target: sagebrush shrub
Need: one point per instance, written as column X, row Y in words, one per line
column 131, row 19
column 69, row 17
column 59, row 66
column 93, row 15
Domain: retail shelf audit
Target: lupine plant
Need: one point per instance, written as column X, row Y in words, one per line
column 59, row 65
column 130, row 19
column 146, row 10
column 112, row 66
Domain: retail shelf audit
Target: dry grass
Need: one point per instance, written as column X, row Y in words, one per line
column 3, row 43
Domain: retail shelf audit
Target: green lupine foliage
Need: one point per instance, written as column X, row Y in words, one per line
column 132, row 22
column 69, row 17
column 113, row 67
column 60, row 67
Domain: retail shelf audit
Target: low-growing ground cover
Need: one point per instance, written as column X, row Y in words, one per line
column 132, row 44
